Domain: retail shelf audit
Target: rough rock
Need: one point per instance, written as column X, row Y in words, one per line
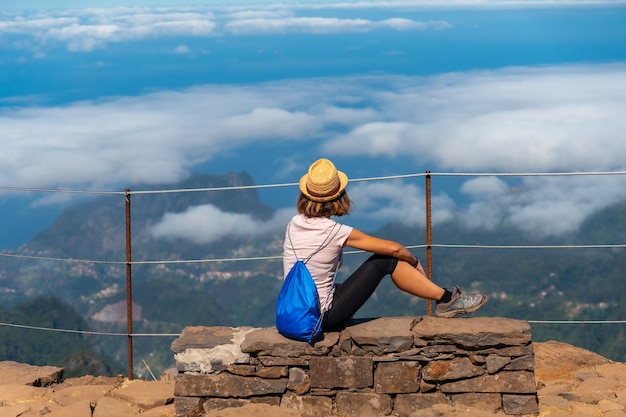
column 224, row 385
column 77, row 397
column 566, row 377
column 355, row 404
column 342, row 372
column 384, row 335
column 24, row 374
column 254, row 410
column 397, row 378
column 558, row 360
column 221, row 344
column 576, row 382
column 363, row 367
column 479, row 334
column 135, row 392
column 268, row 342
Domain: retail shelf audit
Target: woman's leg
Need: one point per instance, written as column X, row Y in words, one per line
column 357, row 289
column 410, row 280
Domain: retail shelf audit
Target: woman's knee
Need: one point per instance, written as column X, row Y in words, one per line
column 384, row 263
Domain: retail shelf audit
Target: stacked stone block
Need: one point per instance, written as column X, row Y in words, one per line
column 386, row 366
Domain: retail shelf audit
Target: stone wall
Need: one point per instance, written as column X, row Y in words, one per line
column 386, row 366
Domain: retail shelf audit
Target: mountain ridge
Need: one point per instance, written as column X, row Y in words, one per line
column 529, row 284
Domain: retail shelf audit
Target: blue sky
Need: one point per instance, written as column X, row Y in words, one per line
column 103, row 95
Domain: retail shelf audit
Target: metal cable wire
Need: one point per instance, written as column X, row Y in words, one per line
column 85, row 332
column 293, row 184
column 277, row 257
column 577, row 321
column 58, row 190
column 93, row 333
column 231, row 188
column 595, row 246
column 526, row 174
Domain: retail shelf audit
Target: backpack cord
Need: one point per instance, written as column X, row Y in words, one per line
column 322, row 246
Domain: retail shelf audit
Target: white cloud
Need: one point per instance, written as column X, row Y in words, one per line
column 297, row 24
column 88, row 29
column 394, row 201
column 516, row 119
column 149, row 139
column 205, row 224
column 93, row 28
column 267, row 123
column 408, row 24
column 491, row 186
column 542, row 205
column 259, row 14
column 307, row 4
column 324, row 25
column 182, row 49
column 565, row 118
column 379, row 138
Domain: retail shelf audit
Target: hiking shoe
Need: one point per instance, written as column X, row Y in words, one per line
column 460, row 304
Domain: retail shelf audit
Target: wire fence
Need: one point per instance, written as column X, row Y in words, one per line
column 429, row 245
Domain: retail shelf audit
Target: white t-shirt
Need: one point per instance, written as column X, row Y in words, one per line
column 307, row 234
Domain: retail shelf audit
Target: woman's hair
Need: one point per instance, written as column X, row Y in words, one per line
column 337, row 207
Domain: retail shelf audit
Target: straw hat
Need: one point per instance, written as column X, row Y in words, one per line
column 323, row 182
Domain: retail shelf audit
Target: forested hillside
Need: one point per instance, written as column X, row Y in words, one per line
column 553, row 284
column 78, row 354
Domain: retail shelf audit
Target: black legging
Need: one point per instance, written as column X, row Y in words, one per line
column 357, row 289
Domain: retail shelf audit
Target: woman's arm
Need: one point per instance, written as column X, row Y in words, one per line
column 363, row 241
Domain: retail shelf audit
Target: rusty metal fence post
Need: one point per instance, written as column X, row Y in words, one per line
column 429, row 240
column 129, row 286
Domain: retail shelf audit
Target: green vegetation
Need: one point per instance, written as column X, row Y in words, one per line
column 529, row 284
column 73, row 351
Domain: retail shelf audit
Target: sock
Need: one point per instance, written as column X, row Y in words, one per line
column 446, row 297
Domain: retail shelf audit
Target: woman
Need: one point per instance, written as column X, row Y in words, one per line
column 312, row 231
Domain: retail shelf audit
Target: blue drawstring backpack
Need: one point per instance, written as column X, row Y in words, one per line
column 298, row 308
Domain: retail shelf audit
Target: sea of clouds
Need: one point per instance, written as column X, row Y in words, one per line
column 550, row 119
